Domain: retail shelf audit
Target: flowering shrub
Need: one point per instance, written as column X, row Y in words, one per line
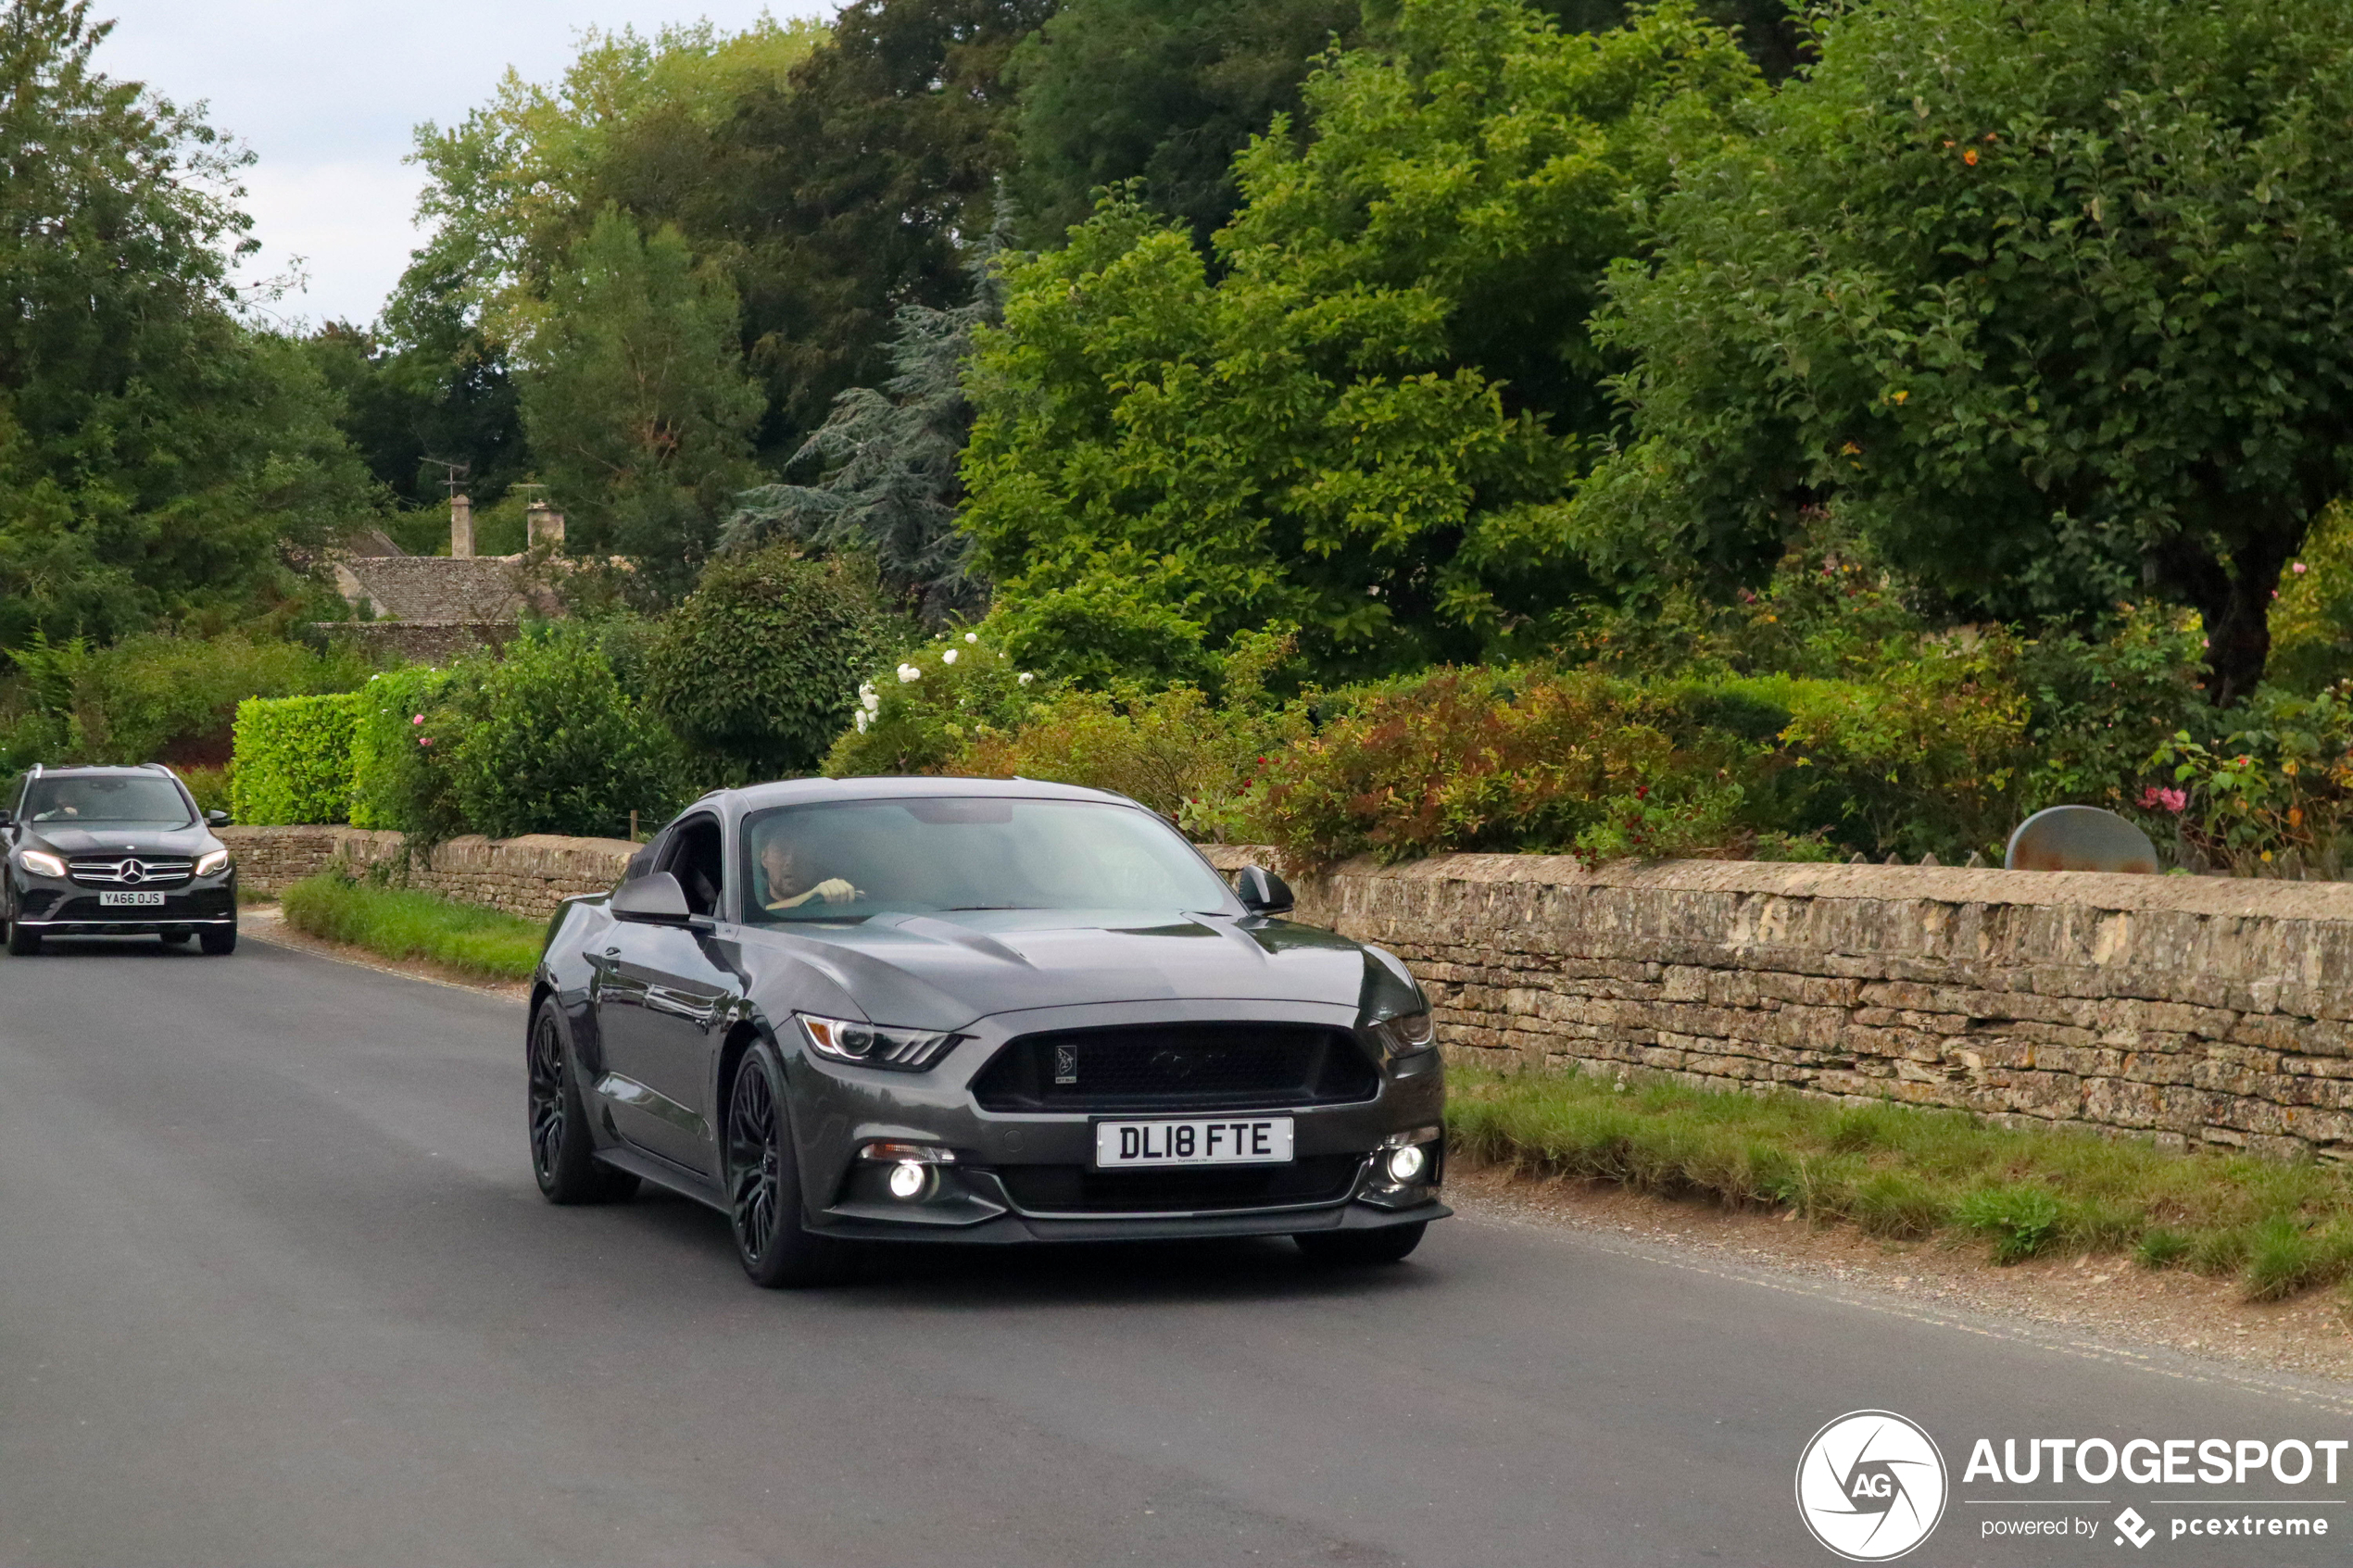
column 2274, row 795
column 918, row 714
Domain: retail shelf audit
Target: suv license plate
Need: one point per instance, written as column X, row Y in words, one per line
column 1222, row 1140
column 131, row 900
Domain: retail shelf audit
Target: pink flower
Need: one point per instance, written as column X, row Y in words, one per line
column 2173, row 800
column 2299, row 569
column 418, row 719
column 424, row 740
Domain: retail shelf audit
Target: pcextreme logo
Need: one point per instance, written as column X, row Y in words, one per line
column 1871, row 1485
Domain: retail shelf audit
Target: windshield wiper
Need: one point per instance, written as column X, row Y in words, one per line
column 963, row 908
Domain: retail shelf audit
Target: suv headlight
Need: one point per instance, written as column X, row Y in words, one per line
column 40, row 862
column 216, row 860
column 1408, row 1034
column 872, row 1045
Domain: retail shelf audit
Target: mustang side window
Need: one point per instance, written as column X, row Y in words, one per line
column 696, row 858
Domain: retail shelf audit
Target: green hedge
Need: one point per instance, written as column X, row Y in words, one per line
column 293, row 758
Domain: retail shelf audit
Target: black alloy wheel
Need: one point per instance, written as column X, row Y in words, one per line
column 1356, row 1249
column 219, row 943
column 562, row 1149
column 763, row 1183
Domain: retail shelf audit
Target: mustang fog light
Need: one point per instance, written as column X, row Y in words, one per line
column 1404, row 1164
column 908, row 1180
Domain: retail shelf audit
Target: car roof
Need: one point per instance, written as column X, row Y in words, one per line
column 794, row 792
column 103, row 770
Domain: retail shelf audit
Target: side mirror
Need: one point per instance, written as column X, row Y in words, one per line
column 7, row 818
column 652, row 899
column 1262, row 892
column 217, row 819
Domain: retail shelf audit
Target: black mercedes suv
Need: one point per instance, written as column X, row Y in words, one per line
column 115, row 852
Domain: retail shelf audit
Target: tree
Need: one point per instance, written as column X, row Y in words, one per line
column 154, row 451
column 636, row 401
column 1361, row 426
column 1161, row 93
column 856, row 188
column 2045, row 297
column 888, row 461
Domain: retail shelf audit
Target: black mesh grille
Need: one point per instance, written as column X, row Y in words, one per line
column 1076, row 1189
column 1179, row 1067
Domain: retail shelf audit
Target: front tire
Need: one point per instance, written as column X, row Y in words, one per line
column 1361, row 1249
column 23, row 943
column 219, row 944
column 563, row 1154
column 763, row 1183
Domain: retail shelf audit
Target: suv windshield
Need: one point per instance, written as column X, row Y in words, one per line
column 847, row 860
column 117, row 800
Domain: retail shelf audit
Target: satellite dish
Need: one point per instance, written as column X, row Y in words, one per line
column 2079, row 838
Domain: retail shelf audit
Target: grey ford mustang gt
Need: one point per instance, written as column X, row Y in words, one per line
column 972, row 1010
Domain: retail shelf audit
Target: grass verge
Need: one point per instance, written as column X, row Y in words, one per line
column 1906, row 1173
column 399, row 922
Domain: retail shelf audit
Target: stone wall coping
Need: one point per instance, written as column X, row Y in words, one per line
column 2240, row 897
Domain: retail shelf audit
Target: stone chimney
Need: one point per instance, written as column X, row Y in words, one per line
column 461, row 527
column 543, row 525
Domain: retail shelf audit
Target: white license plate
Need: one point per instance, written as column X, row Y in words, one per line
column 131, row 900
column 1220, row 1140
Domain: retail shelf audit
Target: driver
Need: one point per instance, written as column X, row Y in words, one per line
column 780, row 863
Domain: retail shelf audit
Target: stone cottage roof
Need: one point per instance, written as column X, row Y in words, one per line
column 435, row 588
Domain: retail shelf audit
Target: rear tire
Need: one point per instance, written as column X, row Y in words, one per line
column 23, row 943
column 1361, row 1249
column 219, row 944
column 564, row 1156
column 764, row 1184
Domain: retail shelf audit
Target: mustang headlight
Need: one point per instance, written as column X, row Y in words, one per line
column 1408, row 1034
column 41, row 864
column 217, row 860
column 872, row 1045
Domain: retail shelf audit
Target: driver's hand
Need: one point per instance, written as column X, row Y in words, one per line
column 832, row 890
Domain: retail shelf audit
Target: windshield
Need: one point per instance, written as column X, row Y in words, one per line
column 144, row 800
column 850, row 859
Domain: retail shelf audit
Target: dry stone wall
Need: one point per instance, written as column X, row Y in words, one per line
column 525, row 876
column 2202, row 1009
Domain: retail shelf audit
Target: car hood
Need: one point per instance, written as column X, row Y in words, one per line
column 944, row 970
column 104, row 840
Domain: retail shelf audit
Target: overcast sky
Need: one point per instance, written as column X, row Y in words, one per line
column 327, row 91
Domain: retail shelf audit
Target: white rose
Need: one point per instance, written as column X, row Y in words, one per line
column 1026, row 677
column 866, row 693
column 861, row 718
column 871, row 701
column 909, row 672
column 972, row 636
column 947, row 658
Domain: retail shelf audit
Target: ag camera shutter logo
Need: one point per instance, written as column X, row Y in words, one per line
column 1871, row 1485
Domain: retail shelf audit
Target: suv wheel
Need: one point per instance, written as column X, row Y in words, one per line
column 219, row 943
column 562, row 1150
column 1352, row 1248
column 763, row 1183
column 22, row 941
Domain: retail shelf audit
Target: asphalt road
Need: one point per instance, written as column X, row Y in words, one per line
column 276, row 1288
